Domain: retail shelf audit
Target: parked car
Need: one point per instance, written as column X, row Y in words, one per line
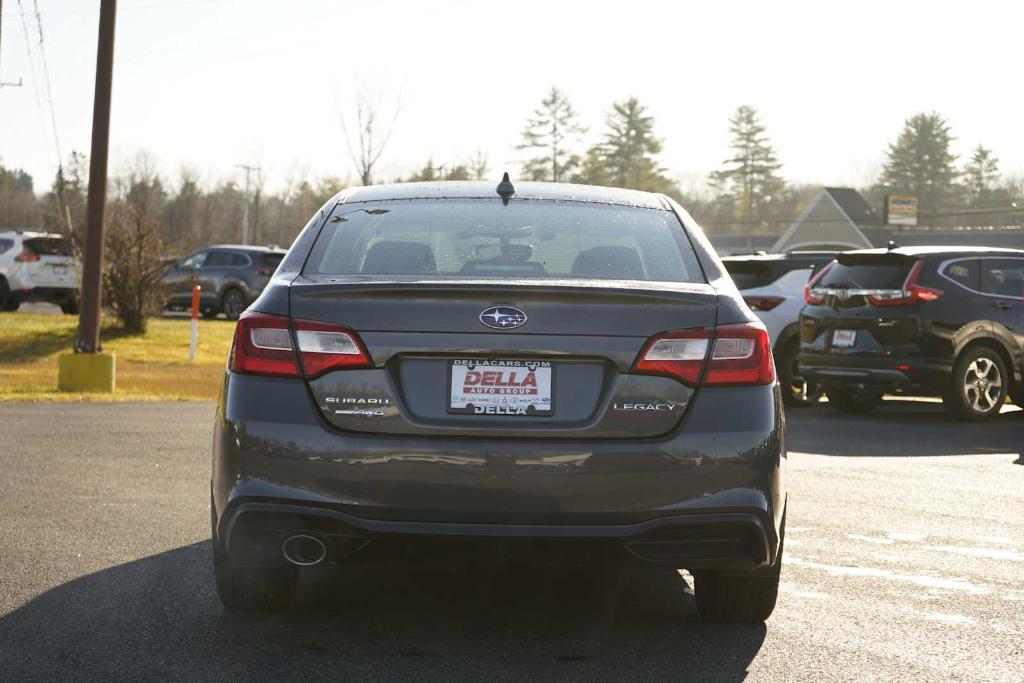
column 773, row 287
column 231, row 277
column 37, row 266
column 558, row 372
column 939, row 321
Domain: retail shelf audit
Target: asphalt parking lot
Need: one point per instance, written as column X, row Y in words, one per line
column 904, row 560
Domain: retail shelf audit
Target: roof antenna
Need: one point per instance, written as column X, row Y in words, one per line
column 892, row 245
column 506, row 189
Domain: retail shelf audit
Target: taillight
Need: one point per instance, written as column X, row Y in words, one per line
column 912, row 293
column 324, row 347
column 813, row 295
column 27, row 255
column 763, row 303
column 265, row 345
column 739, row 355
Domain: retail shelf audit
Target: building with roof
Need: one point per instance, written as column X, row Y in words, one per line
column 840, row 218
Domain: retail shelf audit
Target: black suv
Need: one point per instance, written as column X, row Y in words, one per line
column 940, row 321
column 231, row 277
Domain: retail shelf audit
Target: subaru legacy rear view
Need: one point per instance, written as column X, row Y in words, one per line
column 557, row 372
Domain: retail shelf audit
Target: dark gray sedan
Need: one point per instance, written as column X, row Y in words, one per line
column 549, row 372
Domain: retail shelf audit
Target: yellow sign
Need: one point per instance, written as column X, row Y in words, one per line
column 900, row 209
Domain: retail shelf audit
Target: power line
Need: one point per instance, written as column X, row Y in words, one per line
column 46, row 82
column 31, row 60
column 133, row 8
column 7, row 83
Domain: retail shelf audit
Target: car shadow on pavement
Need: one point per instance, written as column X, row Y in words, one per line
column 901, row 428
column 158, row 617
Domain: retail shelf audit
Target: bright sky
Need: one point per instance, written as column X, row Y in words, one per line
column 216, row 83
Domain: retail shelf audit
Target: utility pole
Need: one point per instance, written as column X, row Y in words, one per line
column 89, row 321
column 7, row 83
column 249, row 170
column 87, row 369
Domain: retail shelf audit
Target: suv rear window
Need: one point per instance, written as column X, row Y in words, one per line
column 477, row 239
column 271, row 260
column 867, row 271
column 749, row 274
column 49, row 246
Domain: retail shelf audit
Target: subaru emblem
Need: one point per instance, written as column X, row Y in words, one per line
column 502, row 317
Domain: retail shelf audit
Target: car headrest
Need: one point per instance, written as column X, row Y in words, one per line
column 609, row 262
column 397, row 257
column 1011, row 286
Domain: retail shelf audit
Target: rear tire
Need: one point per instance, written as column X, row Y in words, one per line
column 747, row 597
column 233, row 303
column 856, row 403
column 978, row 386
column 7, row 302
column 797, row 391
column 70, row 307
column 1017, row 396
column 255, row 587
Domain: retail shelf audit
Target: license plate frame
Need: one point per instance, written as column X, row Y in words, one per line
column 515, row 389
column 844, row 339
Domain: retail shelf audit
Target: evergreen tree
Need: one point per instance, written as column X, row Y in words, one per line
column 18, row 206
column 982, row 175
column 749, row 177
column 550, row 134
column 594, row 168
column 626, row 157
column 919, row 162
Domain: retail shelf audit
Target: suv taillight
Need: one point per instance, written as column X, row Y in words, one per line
column 266, row 344
column 912, row 293
column 739, row 355
column 812, row 295
column 27, row 255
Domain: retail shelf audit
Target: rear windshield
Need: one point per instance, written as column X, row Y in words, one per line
column 484, row 239
column 872, row 271
column 749, row 274
column 49, row 246
column 272, row 260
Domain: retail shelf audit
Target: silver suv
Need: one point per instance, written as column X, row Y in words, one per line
column 37, row 266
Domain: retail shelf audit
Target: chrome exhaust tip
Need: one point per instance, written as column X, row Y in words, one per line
column 303, row 550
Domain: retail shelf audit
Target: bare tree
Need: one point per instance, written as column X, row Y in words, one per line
column 367, row 130
column 479, row 164
column 134, row 268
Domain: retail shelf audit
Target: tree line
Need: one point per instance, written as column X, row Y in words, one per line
column 748, row 193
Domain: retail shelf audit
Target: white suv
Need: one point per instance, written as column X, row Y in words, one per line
column 773, row 287
column 37, row 266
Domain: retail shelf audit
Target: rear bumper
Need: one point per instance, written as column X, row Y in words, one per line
column 712, row 494
column 734, row 540
column 54, row 295
column 888, row 373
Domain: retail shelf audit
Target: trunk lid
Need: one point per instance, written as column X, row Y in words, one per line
column 571, row 355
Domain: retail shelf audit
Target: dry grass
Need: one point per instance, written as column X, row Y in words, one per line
column 153, row 366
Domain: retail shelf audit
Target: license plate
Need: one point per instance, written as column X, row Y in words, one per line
column 500, row 387
column 844, row 338
column 60, row 270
